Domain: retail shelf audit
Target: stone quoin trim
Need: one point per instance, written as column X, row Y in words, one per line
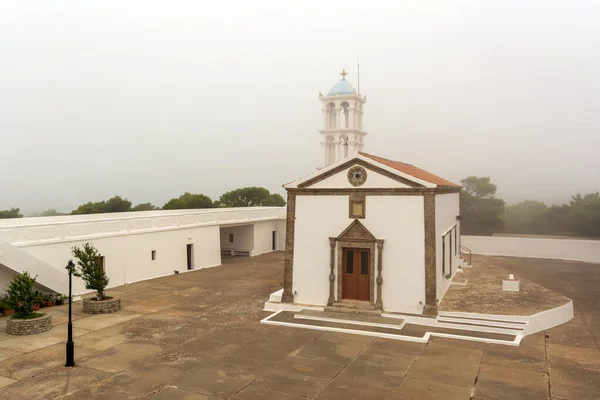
column 379, row 302
column 430, row 255
column 364, row 164
column 288, row 272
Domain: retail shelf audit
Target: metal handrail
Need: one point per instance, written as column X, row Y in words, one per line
column 466, row 252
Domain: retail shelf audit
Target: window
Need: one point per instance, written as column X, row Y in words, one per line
column 350, row 262
column 357, row 207
column 231, row 238
column 153, row 254
column 364, row 263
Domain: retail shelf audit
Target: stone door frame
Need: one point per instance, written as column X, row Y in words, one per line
column 355, row 236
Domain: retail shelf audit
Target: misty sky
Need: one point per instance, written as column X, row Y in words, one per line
column 148, row 99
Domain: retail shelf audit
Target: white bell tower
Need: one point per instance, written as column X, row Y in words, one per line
column 342, row 134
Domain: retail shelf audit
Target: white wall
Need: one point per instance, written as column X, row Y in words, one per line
column 396, row 219
column 446, row 209
column 263, row 236
column 560, row 249
column 243, row 237
column 128, row 258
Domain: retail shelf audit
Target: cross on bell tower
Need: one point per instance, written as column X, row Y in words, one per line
column 342, row 133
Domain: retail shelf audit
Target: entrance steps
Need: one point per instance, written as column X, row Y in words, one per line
column 353, row 307
column 416, row 329
column 482, row 324
column 351, row 319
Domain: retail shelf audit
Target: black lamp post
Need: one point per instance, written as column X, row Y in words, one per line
column 70, row 345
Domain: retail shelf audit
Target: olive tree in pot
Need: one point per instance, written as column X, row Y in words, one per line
column 90, row 269
column 22, row 297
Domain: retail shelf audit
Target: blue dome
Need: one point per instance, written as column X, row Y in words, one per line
column 341, row 88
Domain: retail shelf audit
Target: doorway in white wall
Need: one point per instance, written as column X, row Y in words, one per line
column 190, row 256
column 274, row 240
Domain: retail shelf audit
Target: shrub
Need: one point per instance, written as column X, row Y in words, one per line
column 89, row 269
column 21, row 295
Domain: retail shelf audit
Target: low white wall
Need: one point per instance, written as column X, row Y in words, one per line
column 560, row 249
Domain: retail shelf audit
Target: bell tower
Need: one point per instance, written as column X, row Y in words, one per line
column 342, row 133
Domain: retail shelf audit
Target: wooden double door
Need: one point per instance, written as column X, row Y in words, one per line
column 356, row 284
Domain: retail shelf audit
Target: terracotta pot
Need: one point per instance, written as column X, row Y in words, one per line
column 36, row 307
column 9, row 313
column 48, row 304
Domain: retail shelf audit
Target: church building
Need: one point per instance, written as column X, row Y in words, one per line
column 364, row 231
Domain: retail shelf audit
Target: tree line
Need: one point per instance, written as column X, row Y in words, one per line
column 484, row 214
column 252, row 196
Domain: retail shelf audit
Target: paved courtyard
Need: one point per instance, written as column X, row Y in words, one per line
column 196, row 336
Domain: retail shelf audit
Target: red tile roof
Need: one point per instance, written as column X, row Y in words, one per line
column 412, row 171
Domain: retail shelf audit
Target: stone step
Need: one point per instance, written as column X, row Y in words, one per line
column 349, row 310
column 351, row 319
column 513, row 325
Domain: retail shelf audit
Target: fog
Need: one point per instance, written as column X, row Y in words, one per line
column 148, row 99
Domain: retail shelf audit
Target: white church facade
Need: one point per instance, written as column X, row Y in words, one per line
column 364, row 231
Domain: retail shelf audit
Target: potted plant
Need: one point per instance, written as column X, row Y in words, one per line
column 90, row 269
column 23, row 297
column 49, row 300
column 7, row 307
column 59, row 299
column 37, row 300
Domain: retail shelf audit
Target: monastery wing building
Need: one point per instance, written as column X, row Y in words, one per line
column 364, row 231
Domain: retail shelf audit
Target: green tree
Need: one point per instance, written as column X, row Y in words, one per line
column 479, row 209
column 528, row 216
column 145, row 207
column 90, row 269
column 12, row 213
column 114, row 204
column 51, row 212
column 189, row 201
column 252, row 196
column 584, row 215
column 21, row 295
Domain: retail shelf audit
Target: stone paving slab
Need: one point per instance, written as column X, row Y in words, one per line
column 101, row 321
column 119, row 357
column 56, row 334
column 136, row 382
column 418, row 389
column 254, row 392
column 173, row 393
column 55, row 383
column 39, row 362
column 224, row 377
column 345, row 387
column 530, row 354
column 300, row 376
column 456, row 366
column 498, row 382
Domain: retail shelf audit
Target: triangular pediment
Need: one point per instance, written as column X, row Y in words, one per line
column 378, row 176
column 356, row 230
